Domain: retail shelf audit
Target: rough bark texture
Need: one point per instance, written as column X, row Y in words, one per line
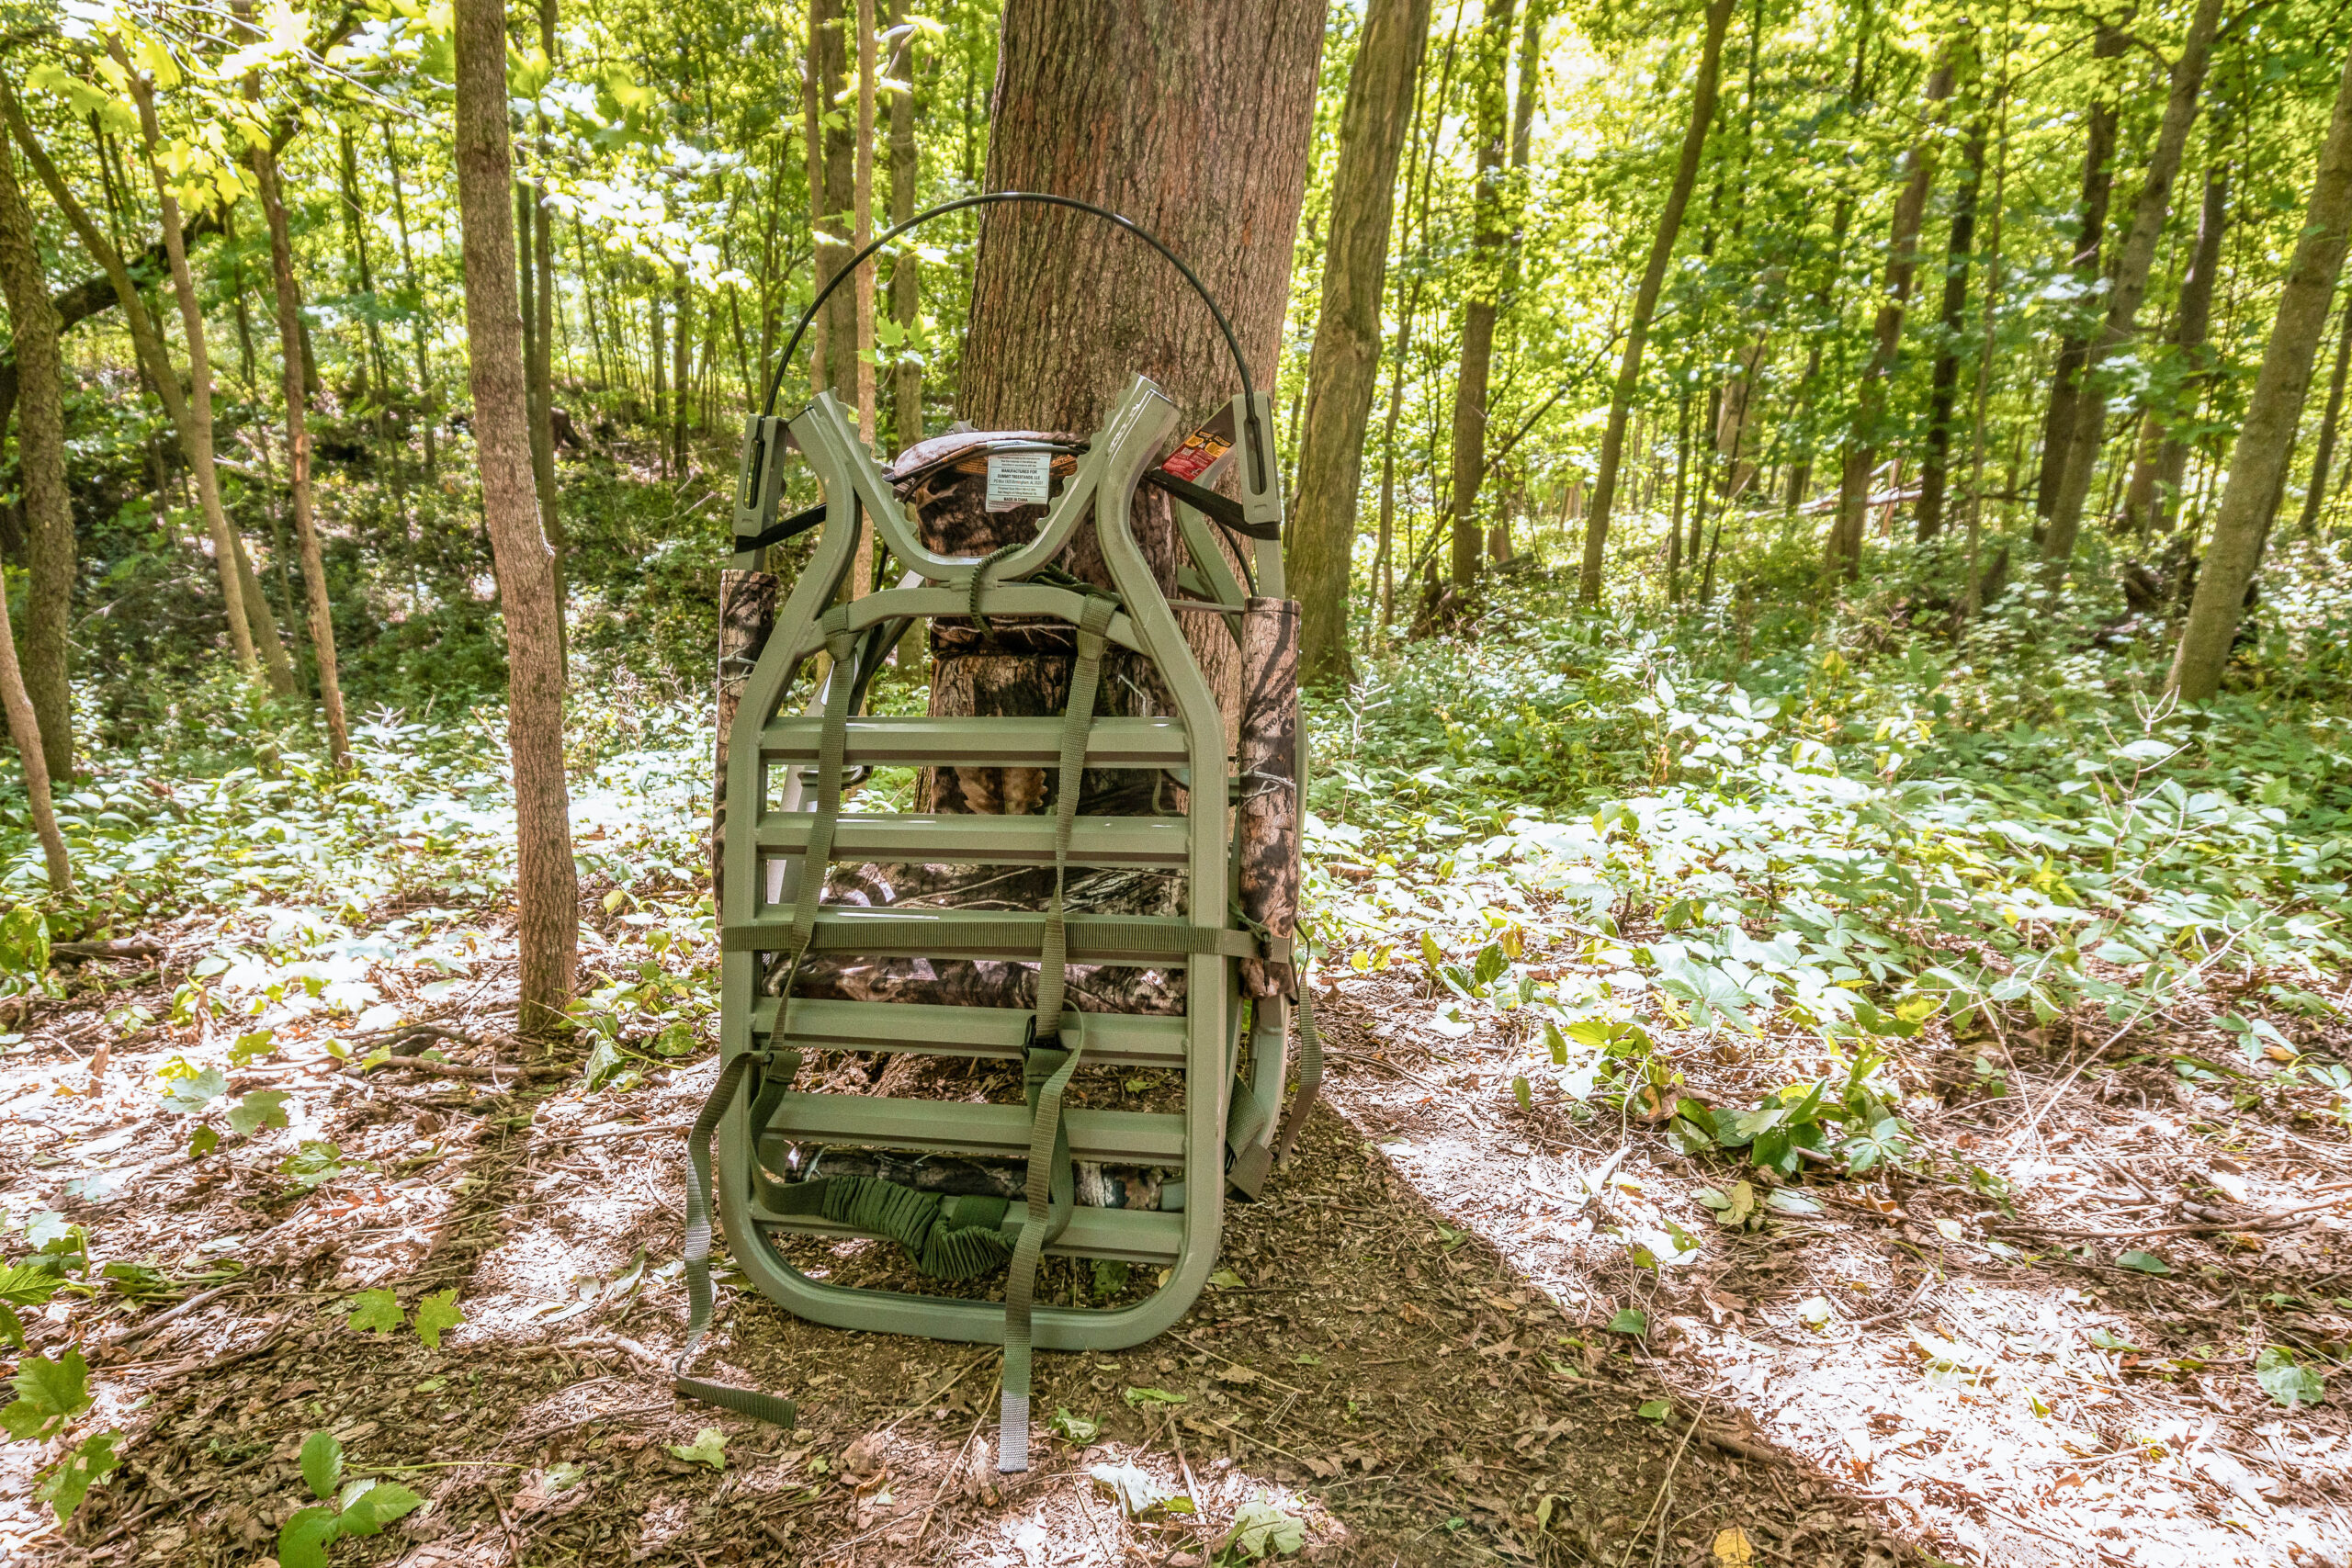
column 1343, row 370
column 2109, row 43
column 1944, row 388
column 1638, row 330
column 1490, row 108
column 1194, row 124
column 2129, row 285
column 547, row 885
column 48, row 511
column 1844, row 556
column 2266, row 440
column 829, row 28
column 298, row 460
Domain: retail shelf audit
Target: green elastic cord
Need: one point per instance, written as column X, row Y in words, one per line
column 749, row 1402
column 1052, row 1056
column 946, row 1237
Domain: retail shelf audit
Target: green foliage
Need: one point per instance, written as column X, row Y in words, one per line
column 710, row 1447
column 49, row 1395
column 1259, row 1531
column 2286, row 1381
column 64, row 1484
column 374, row 1312
column 1076, row 1429
column 316, row 1162
column 435, row 1313
column 361, row 1507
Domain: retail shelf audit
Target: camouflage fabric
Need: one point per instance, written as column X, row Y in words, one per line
column 1266, row 821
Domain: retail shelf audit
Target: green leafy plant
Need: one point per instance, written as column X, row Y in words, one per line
column 378, row 1311
column 361, row 1507
column 710, row 1447
column 2289, row 1382
column 1261, row 1530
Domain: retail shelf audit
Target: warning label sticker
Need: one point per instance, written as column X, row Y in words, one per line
column 1019, row 479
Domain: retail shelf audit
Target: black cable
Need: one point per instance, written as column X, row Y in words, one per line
column 992, row 198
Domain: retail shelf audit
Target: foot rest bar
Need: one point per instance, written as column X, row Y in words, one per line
column 1124, row 1040
column 980, row 743
column 972, row 838
column 1129, row 1234
column 1147, row 940
column 946, row 1126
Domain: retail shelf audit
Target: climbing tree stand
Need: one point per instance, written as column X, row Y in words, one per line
column 1218, row 1020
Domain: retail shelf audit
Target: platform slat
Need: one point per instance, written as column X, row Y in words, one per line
column 971, row 839
column 899, row 932
column 946, row 1126
column 1125, row 1039
column 1137, row 1235
column 980, row 743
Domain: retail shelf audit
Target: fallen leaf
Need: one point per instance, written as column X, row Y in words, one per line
column 1733, row 1548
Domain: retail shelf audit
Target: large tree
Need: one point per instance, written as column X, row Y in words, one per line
column 1343, row 368
column 2265, row 445
column 1481, row 277
column 1638, row 330
column 547, row 884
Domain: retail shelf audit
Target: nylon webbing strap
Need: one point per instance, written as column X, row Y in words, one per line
column 1049, row 1065
column 748, row 1401
column 832, row 744
column 1310, row 1070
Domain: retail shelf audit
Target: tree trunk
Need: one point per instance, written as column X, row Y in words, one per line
column 906, row 171
column 682, row 366
column 1195, row 125
column 830, row 24
column 2153, row 497
column 1490, row 112
column 427, row 408
column 2110, row 41
column 298, row 460
column 1344, row 367
column 2266, row 443
column 44, row 732
column 1944, row 388
column 1844, row 555
column 245, row 611
column 2324, row 456
column 861, row 568
column 2129, row 285
column 1637, row 331
column 547, row 885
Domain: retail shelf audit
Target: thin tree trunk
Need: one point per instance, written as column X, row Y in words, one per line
column 2154, row 498
column 48, row 511
column 427, row 411
column 837, row 94
column 225, row 545
column 1490, row 112
column 539, row 340
column 2110, row 41
column 906, row 173
column 547, row 885
column 2323, row 456
column 298, row 456
column 1344, row 367
column 1944, row 388
column 861, row 568
column 2129, row 285
column 2266, row 443
column 1629, row 365
column 1843, row 557
column 681, row 366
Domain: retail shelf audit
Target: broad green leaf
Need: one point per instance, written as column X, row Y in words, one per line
column 29, row 1284
column 378, row 1506
column 70, row 1479
column 710, row 1447
column 191, row 1095
column 1262, row 1530
column 303, row 1540
column 2145, row 1262
column 261, row 1108
column 2289, row 1383
column 437, row 1313
column 322, row 1464
column 202, row 1142
column 1074, row 1428
column 1630, row 1320
column 1139, row 1397
column 49, row 1395
column 375, row 1312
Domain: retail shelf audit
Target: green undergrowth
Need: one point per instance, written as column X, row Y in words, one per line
column 1591, row 827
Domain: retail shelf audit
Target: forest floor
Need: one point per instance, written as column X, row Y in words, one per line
column 1694, row 1182
column 1412, row 1354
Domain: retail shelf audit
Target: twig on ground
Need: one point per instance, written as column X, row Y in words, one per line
column 1665, row 1484
column 954, row 1468
column 1329, row 1055
column 466, row 1070
column 146, row 1327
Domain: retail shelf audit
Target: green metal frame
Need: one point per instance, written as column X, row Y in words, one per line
column 767, row 831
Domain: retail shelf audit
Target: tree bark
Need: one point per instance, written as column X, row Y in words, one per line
column 1490, row 111
column 1194, row 124
column 830, row 24
column 1344, row 367
column 2265, row 442
column 2110, row 41
column 298, row 460
column 547, row 884
column 44, row 734
column 2323, row 455
column 681, row 364
column 1944, row 388
column 2129, row 285
column 1844, row 553
column 1637, row 331
column 906, row 173
column 539, row 339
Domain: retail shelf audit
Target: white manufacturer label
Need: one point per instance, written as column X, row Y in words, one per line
column 1019, row 479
